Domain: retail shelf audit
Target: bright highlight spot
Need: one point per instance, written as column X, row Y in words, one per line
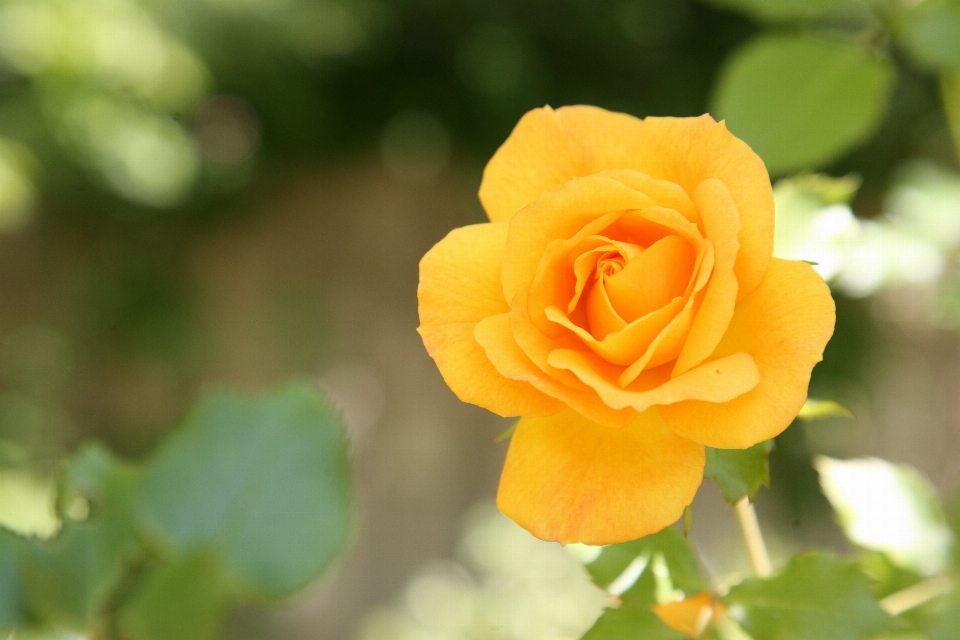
column 890, row 508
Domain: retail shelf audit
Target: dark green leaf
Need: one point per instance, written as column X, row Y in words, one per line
column 801, row 101
column 263, row 479
column 631, row 623
column 185, row 600
column 739, row 472
column 930, row 32
column 777, row 10
column 818, row 595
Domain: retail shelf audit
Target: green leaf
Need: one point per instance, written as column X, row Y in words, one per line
column 70, row 579
column 739, row 472
column 930, row 33
column 816, row 408
column 943, row 617
column 263, row 479
column 676, row 551
column 185, row 600
column 818, row 595
column 801, row 101
column 950, row 91
column 781, row 10
column 108, row 488
column 59, row 580
column 641, row 573
column 11, row 588
column 869, row 494
column 631, row 623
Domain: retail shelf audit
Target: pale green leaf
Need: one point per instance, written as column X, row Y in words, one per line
column 890, row 508
column 801, row 101
column 815, row 408
column 263, row 479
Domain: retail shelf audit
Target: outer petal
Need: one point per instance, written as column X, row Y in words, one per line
column 784, row 324
column 549, row 147
column 570, row 480
column 459, row 287
column 690, row 150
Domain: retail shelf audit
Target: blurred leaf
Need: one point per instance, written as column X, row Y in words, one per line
column 11, row 588
column 739, row 472
column 778, row 10
column 888, row 577
column 818, row 595
column 930, row 32
column 71, row 578
column 631, row 622
column 263, row 479
column 60, row 583
column 950, row 90
column 890, row 508
column 815, row 408
column 185, row 600
column 801, row 101
column 108, row 488
column 943, row 618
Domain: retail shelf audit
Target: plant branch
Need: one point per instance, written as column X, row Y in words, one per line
column 757, row 550
column 916, row 595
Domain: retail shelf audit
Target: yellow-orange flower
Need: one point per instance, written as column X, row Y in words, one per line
column 623, row 300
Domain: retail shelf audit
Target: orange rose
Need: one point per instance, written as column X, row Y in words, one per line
column 623, row 300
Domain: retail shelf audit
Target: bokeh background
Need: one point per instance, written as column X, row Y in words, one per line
column 196, row 193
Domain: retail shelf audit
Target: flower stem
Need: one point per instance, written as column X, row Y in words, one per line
column 916, row 595
column 747, row 518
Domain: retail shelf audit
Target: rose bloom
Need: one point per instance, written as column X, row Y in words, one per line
column 624, row 301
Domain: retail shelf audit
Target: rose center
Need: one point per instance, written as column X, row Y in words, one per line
column 631, row 281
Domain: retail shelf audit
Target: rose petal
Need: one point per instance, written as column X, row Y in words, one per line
column 652, row 279
column 555, row 282
column 668, row 194
column 625, row 346
column 495, row 335
column 557, row 215
column 549, row 147
column 784, row 324
column 719, row 380
column 668, row 343
column 721, row 224
column 570, row 480
column 459, row 286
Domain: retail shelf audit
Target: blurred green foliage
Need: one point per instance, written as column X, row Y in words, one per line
column 248, row 500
